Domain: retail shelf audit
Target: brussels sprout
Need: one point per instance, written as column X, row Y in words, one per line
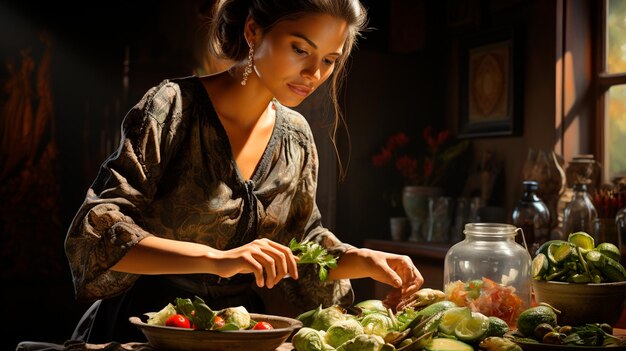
column 371, row 306
column 309, row 339
column 327, row 317
column 377, row 324
column 235, row 318
column 363, row 342
column 342, row 331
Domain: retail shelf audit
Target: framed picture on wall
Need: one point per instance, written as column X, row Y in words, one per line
column 490, row 83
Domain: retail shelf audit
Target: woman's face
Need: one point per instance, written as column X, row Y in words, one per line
column 297, row 56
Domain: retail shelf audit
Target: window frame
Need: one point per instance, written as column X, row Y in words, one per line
column 603, row 82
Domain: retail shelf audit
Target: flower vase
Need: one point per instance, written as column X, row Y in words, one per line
column 415, row 202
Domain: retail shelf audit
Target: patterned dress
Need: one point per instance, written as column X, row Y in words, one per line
column 174, row 176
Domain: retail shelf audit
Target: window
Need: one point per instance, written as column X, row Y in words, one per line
column 612, row 88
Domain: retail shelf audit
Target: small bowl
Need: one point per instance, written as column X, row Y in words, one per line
column 582, row 303
column 180, row 339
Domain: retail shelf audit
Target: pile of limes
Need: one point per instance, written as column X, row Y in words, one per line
column 578, row 260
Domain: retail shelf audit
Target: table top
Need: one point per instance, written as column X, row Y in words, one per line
column 142, row 346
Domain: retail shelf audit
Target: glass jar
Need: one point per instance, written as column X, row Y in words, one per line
column 532, row 216
column 580, row 213
column 489, row 271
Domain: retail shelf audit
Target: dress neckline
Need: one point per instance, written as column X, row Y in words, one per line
column 266, row 156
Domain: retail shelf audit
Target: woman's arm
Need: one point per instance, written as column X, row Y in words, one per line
column 154, row 255
column 395, row 270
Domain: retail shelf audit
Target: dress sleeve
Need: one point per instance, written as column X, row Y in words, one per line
column 109, row 222
column 311, row 292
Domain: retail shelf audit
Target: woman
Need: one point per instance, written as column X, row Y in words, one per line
column 215, row 175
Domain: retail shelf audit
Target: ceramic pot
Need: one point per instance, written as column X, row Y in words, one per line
column 415, row 202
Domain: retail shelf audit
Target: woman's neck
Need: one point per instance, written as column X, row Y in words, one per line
column 237, row 104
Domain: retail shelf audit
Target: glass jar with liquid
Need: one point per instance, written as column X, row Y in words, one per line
column 489, row 271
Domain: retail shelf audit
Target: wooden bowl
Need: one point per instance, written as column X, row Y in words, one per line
column 582, row 303
column 180, row 339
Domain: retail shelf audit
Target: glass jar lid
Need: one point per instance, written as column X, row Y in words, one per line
column 490, row 229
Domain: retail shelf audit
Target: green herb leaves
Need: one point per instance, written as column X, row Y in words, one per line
column 312, row 253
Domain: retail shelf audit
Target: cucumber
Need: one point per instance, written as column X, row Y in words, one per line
column 443, row 344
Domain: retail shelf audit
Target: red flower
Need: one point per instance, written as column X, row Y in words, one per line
column 407, row 166
column 434, row 156
column 398, row 140
column 442, row 137
column 382, row 158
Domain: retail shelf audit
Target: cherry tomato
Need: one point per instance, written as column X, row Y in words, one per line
column 218, row 322
column 262, row 326
column 178, row 321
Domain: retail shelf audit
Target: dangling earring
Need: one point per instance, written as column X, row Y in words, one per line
column 248, row 69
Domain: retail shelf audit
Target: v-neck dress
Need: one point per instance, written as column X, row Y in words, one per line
column 174, row 176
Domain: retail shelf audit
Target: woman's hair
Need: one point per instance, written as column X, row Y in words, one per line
column 227, row 39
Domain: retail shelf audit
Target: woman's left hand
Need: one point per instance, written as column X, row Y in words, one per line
column 395, row 270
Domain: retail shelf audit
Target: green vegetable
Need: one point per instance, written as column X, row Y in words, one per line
column 591, row 335
column 529, row 319
column 363, row 342
column 377, row 324
column 371, row 306
column 197, row 311
column 443, row 344
column 236, row 318
column 308, row 339
column 160, row 317
column 313, row 253
column 322, row 319
column 342, row 331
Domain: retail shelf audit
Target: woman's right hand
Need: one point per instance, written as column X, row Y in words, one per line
column 268, row 260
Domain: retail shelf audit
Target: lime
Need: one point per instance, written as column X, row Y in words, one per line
column 497, row 326
column 472, row 329
column 580, row 278
column 529, row 319
column 451, row 317
column 582, row 240
column 443, row 344
column 544, row 247
column 540, row 266
column 435, row 308
column 613, row 270
column 596, row 259
column 558, row 252
column 609, row 250
column 431, row 325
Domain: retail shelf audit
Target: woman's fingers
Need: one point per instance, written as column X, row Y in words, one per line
column 274, row 260
column 291, row 265
column 269, row 267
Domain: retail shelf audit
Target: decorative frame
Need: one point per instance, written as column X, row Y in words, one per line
column 491, row 85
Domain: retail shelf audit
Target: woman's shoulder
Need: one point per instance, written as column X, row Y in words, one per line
column 293, row 122
column 170, row 97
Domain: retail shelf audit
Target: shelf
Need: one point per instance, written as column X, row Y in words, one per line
column 425, row 250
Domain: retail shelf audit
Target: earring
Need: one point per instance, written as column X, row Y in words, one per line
column 248, row 69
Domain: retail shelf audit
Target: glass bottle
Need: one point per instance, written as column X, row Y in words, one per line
column 532, row 215
column 620, row 223
column 580, row 213
column 489, row 266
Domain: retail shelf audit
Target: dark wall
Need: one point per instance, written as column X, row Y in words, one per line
column 89, row 47
column 402, row 78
